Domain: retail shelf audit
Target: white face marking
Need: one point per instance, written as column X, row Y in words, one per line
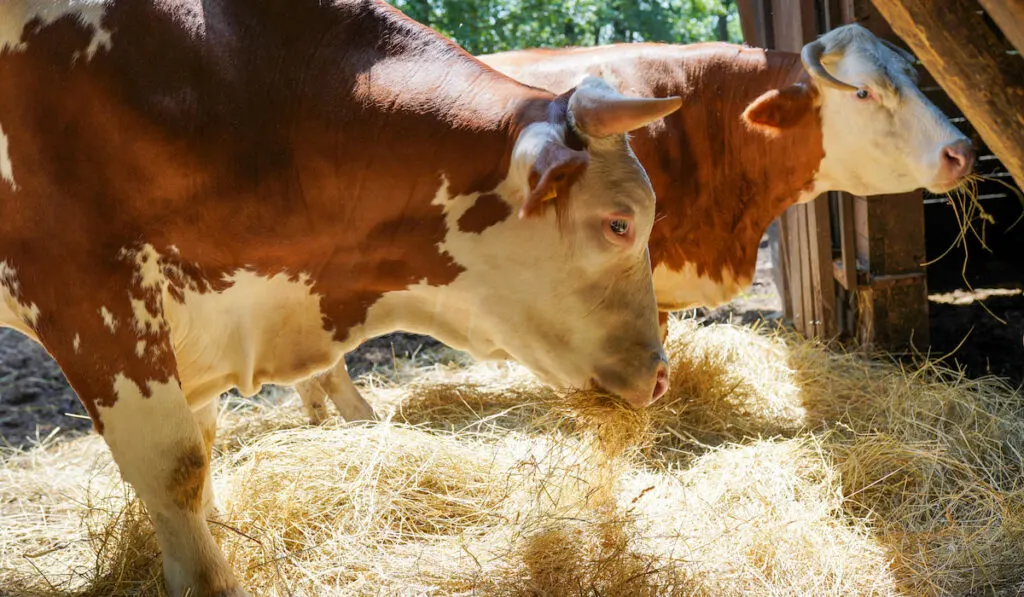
column 889, row 143
column 260, row 330
column 6, row 168
column 77, row 343
column 14, row 312
column 686, row 289
column 108, row 319
column 15, row 14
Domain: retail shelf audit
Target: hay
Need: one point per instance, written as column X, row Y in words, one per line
column 773, row 467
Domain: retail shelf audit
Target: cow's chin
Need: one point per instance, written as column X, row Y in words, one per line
column 941, row 188
column 634, row 402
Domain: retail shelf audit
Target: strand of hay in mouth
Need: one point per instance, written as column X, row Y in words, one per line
column 772, row 467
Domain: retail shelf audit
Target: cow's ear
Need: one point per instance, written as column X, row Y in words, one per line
column 779, row 109
column 554, row 171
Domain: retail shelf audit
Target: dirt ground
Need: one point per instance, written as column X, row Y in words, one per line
column 982, row 329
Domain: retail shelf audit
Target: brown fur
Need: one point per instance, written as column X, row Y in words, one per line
column 186, row 483
column 488, row 210
column 719, row 181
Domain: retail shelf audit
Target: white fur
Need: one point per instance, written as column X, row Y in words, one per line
column 15, row 313
column 108, row 319
column 148, row 278
column 15, row 14
column 260, row 330
column 6, row 167
column 77, row 343
column 685, row 289
column 892, row 145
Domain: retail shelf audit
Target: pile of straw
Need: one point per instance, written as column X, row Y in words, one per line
column 773, row 467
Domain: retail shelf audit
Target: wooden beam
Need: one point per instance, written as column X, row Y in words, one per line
column 970, row 62
column 752, row 22
column 1009, row 15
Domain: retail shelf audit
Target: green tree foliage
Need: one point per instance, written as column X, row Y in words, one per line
column 486, row 26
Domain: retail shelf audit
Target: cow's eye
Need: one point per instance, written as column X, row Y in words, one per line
column 619, row 226
column 863, row 94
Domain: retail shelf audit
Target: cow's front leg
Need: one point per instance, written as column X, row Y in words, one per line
column 114, row 346
column 160, row 448
column 336, row 384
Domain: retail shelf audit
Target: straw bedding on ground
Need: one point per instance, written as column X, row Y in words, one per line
column 773, row 467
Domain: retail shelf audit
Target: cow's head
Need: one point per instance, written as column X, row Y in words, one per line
column 879, row 132
column 563, row 283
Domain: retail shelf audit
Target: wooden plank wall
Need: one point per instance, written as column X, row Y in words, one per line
column 806, row 229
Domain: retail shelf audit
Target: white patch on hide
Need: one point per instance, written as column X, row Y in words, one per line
column 13, row 311
column 259, row 330
column 438, row 311
column 686, row 289
column 149, row 278
column 6, row 167
column 15, row 14
column 108, row 319
column 145, row 322
column 77, row 343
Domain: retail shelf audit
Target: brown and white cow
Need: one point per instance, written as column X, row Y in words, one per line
column 762, row 130
column 200, row 194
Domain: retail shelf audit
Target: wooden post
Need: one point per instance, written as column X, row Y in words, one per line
column 806, row 228
column 752, row 22
column 970, row 62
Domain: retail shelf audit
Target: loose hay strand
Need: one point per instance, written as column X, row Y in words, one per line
column 774, row 466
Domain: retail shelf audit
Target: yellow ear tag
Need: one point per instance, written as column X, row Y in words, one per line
column 551, row 195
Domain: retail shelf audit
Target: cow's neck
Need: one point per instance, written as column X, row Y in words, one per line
column 425, row 125
column 720, row 184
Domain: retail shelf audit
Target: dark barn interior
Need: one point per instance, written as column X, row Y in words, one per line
column 987, row 324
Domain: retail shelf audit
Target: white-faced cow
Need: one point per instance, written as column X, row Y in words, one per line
column 196, row 195
column 762, row 130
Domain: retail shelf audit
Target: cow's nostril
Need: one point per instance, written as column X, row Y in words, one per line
column 958, row 158
column 661, row 382
column 954, row 157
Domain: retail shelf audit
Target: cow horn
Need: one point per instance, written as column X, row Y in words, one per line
column 905, row 54
column 601, row 112
column 811, row 57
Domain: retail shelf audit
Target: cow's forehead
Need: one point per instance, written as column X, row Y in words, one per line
column 864, row 53
column 628, row 185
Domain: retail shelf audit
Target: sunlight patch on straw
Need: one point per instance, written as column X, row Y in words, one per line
column 774, row 466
